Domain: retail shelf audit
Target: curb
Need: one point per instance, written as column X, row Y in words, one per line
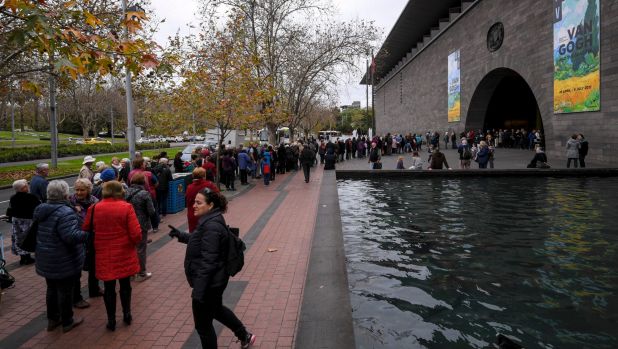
column 372, row 174
column 9, row 186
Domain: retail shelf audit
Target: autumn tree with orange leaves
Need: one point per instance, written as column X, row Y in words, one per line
column 60, row 38
column 218, row 88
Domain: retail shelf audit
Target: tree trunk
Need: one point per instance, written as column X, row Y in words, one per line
column 36, row 114
column 272, row 133
column 21, row 119
column 292, row 134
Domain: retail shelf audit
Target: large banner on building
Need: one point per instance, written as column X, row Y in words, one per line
column 454, row 88
column 577, row 56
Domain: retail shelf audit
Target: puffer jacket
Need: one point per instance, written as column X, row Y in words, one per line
column 206, row 252
column 243, row 160
column 483, row 155
column 572, row 149
column 59, row 248
column 116, row 234
column 142, row 203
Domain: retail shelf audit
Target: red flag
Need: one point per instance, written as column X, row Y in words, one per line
column 373, row 65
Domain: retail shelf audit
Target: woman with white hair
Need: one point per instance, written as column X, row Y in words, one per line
column 59, row 254
column 100, row 166
column 81, row 201
column 21, row 208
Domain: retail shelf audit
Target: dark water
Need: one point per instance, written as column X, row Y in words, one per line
column 450, row 263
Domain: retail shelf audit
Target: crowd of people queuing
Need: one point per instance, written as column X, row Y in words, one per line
column 102, row 228
column 472, row 146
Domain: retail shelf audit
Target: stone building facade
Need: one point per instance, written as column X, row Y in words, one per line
column 411, row 94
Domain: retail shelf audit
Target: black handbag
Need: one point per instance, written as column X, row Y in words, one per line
column 377, row 165
column 28, row 244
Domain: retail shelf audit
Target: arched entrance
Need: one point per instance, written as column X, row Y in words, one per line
column 503, row 100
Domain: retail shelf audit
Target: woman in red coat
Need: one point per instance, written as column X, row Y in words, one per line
column 116, row 235
column 199, row 182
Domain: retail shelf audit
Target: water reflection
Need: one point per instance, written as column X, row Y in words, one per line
column 438, row 263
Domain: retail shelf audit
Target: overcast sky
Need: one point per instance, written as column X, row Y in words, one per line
column 384, row 13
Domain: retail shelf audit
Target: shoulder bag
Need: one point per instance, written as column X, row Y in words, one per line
column 28, row 244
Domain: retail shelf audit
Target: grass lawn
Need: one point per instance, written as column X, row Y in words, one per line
column 32, row 138
column 10, row 174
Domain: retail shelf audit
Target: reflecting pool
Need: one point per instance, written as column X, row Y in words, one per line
column 450, row 263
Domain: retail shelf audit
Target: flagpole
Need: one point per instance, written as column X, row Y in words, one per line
column 373, row 110
column 367, row 89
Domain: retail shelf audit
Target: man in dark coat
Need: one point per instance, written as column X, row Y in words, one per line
column 438, row 160
column 583, row 150
column 164, row 174
column 38, row 183
column 307, row 157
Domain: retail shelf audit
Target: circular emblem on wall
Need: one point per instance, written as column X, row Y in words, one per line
column 495, row 37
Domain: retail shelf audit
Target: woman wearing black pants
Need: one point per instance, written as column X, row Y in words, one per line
column 117, row 233
column 205, row 271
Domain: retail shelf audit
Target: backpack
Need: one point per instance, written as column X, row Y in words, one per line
column 235, row 259
column 467, row 154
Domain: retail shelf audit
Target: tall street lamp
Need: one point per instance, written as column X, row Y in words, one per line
column 130, row 119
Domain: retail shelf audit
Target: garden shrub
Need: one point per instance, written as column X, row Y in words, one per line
column 44, row 151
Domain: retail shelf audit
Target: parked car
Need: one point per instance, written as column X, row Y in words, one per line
column 188, row 150
column 97, row 140
column 76, row 140
column 142, row 140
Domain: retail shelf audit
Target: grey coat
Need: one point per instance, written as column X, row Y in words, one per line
column 141, row 200
column 572, row 147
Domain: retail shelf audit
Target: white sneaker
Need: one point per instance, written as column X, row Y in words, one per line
column 142, row 277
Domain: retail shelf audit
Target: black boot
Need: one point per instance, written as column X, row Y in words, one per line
column 25, row 259
column 125, row 300
column 110, row 305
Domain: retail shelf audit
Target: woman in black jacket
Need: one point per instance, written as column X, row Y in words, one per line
column 20, row 210
column 205, row 269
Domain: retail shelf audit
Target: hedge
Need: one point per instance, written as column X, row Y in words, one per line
column 44, row 151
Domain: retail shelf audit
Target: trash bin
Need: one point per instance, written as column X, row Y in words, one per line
column 176, row 195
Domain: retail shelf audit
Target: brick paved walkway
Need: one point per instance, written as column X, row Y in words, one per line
column 268, row 291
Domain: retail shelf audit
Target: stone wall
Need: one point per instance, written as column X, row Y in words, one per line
column 415, row 98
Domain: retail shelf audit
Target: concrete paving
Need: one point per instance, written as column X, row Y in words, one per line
column 277, row 221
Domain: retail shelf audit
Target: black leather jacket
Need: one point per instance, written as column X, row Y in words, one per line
column 206, row 253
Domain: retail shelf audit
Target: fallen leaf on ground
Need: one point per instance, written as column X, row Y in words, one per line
column 272, row 250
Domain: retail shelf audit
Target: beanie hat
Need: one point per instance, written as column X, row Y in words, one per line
column 108, row 175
